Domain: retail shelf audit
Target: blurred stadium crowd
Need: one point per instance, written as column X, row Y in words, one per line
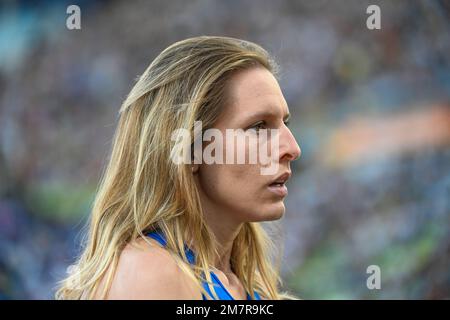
column 371, row 112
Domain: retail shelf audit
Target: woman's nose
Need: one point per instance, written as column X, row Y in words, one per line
column 289, row 148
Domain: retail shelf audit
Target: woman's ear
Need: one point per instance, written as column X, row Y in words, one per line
column 195, row 168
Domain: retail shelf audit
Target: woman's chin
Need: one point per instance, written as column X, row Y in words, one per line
column 272, row 212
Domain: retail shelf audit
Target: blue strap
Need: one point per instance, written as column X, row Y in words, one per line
column 219, row 288
column 162, row 240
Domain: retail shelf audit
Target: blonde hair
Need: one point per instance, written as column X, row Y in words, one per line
column 185, row 83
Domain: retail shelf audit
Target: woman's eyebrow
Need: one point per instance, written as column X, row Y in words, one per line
column 266, row 114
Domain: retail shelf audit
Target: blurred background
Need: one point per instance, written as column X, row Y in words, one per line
column 371, row 112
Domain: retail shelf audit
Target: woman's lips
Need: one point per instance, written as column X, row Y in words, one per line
column 279, row 189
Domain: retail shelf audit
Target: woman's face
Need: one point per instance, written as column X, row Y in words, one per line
column 244, row 192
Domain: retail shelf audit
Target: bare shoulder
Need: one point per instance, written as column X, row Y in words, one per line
column 148, row 271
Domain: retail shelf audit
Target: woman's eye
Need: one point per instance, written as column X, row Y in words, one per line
column 258, row 126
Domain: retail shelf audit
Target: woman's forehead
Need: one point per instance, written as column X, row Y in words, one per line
column 255, row 83
column 255, row 91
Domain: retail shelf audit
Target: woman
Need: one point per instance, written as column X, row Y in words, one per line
column 166, row 230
